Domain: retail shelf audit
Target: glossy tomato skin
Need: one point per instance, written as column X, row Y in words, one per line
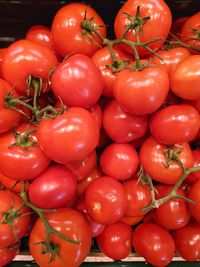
column 193, row 177
column 184, row 80
column 159, row 14
column 194, row 195
column 102, row 59
column 66, row 25
column 53, row 189
column 125, row 127
column 174, row 213
column 119, row 161
column 115, row 241
column 175, row 124
column 138, row 197
column 21, row 163
column 187, row 241
column 141, row 92
column 8, row 118
column 97, row 113
column 105, row 200
column 24, row 58
column 77, row 81
column 10, row 200
column 69, row 137
column 153, row 160
column 70, row 223
column 8, row 254
column 154, row 243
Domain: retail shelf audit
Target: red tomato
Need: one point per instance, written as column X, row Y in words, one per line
column 138, row 197
column 81, row 169
column 171, row 58
column 53, row 189
column 102, row 59
column 72, row 135
column 187, row 241
column 2, row 53
column 154, row 243
column 97, row 113
column 8, row 118
column 70, row 223
column 77, row 81
column 105, row 200
column 121, row 126
column 67, row 26
column 184, row 80
column 8, row 254
column 115, row 241
column 119, row 161
column 174, row 213
column 25, row 160
column 10, row 234
column 154, row 161
column 158, row 25
column 13, row 185
column 195, row 196
column 24, row 58
column 193, row 177
column 141, row 92
column 175, row 124
column 131, row 220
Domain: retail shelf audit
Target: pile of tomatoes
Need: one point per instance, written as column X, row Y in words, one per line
column 99, row 138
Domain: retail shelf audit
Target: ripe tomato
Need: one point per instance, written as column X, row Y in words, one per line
column 70, row 223
column 184, row 80
column 158, row 25
column 195, row 196
column 53, row 189
column 13, row 185
column 154, row 161
column 138, row 197
column 10, row 234
column 105, row 200
column 66, row 25
column 115, row 241
column 2, row 53
column 175, row 124
column 193, row 177
column 8, row 118
column 97, row 113
column 24, row 58
column 8, row 254
column 154, row 243
column 187, row 241
column 125, row 127
column 141, row 92
column 174, row 213
column 72, row 135
column 119, row 161
column 131, row 220
column 102, row 59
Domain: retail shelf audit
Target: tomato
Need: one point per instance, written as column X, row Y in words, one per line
column 184, row 80
column 53, row 189
column 131, row 220
column 97, row 113
column 70, row 223
column 81, row 169
column 10, row 234
column 24, row 58
column 138, row 197
column 194, row 103
column 157, row 26
column 193, row 177
column 115, row 241
column 175, row 124
column 187, row 241
column 69, row 137
column 8, row 118
column 141, row 92
column 102, row 59
column 8, row 254
column 105, row 200
column 2, row 53
column 66, row 25
column 155, row 163
column 174, row 213
column 119, row 161
column 13, row 185
column 171, row 58
column 125, row 127
column 195, row 196
column 154, row 243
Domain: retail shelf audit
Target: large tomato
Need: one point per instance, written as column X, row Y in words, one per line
column 69, row 137
column 67, row 32
column 141, row 92
column 70, row 223
column 157, row 26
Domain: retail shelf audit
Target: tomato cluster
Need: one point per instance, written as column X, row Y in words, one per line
column 99, row 138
